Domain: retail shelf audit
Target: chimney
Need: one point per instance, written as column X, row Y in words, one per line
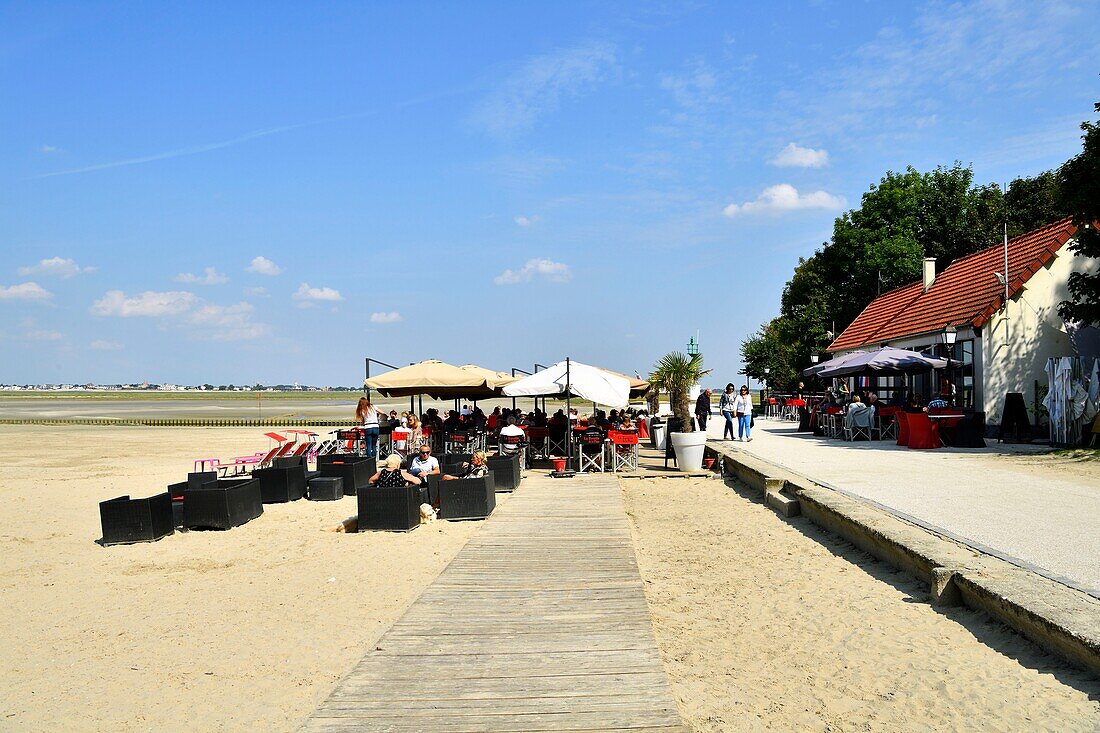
column 929, row 272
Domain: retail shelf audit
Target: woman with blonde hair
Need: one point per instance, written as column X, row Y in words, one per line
column 392, row 476
column 477, row 467
column 367, row 416
column 416, row 434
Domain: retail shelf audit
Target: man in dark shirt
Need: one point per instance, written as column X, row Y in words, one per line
column 702, row 409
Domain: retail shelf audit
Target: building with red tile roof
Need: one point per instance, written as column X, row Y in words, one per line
column 999, row 349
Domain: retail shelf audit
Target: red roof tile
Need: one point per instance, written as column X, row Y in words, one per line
column 966, row 293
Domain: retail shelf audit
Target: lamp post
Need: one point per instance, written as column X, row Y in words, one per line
column 948, row 336
column 767, row 371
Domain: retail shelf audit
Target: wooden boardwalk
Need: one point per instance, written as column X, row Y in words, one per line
column 539, row 624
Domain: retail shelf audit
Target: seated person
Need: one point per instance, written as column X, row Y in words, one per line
column 558, row 423
column 477, row 419
column 856, row 405
column 914, row 405
column 937, row 403
column 510, row 430
column 476, row 467
column 452, row 422
column 872, row 399
column 424, row 464
column 392, row 476
column 627, row 425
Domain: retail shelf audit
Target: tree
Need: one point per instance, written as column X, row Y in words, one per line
column 1080, row 181
column 677, row 373
column 1034, row 202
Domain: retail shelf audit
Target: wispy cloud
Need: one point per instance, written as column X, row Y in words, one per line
column 542, row 268
column 538, row 87
column 226, row 323
column 149, row 304
column 209, row 276
column 47, row 149
column 45, row 335
column 55, row 267
column 252, row 135
column 104, row 345
column 796, row 156
column 256, row 292
column 391, row 317
column 526, row 221
column 24, row 291
column 263, row 266
column 307, row 294
column 785, row 197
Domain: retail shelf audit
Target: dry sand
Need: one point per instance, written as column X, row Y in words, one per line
column 215, row 631
column 769, row 624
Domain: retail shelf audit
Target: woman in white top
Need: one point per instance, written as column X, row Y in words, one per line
column 743, row 407
column 367, row 416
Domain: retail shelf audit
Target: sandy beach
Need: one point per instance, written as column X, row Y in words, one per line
column 769, row 624
column 216, row 631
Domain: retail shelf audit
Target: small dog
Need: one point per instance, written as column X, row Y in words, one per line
column 427, row 513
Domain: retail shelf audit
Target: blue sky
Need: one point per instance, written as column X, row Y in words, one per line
column 270, row 192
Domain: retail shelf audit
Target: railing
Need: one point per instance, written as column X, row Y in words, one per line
column 181, row 422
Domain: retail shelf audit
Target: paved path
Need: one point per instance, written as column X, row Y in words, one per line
column 540, row 623
column 1039, row 514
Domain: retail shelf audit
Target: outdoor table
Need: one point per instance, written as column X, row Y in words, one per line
column 948, row 423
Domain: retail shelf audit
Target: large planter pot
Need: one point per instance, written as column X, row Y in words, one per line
column 225, row 504
column 689, row 450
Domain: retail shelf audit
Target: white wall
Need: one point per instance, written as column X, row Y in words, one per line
column 1017, row 341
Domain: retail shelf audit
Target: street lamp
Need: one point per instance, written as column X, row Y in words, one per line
column 767, row 371
column 948, row 337
column 815, row 358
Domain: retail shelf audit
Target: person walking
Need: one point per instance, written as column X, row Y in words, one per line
column 743, row 408
column 367, row 416
column 728, row 409
column 702, row 409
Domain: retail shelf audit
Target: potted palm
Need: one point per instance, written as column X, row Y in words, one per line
column 677, row 373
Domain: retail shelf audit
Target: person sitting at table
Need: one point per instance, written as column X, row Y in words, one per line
column 476, row 467
column 424, row 464
column 627, row 425
column 614, row 418
column 913, row 405
column 872, row 400
column 937, row 403
column 495, row 419
column 477, row 419
column 538, row 419
column 416, row 434
column 392, row 476
column 452, row 422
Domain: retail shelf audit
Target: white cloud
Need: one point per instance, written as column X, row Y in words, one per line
column 49, row 149
column 785, row 197
column 263, row 266
column 307, row 294
column 546, row 269
column 391, row 317
column 227, row 322
column 260, row 291
column 526, row 221
column 44, row 336
column 56, row 267
column 150, row 303
column 24, row 291
column 102, row 345
column 209, row 276
column 796, row 156
column 538, row 87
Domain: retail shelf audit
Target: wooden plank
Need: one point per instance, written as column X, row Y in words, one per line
column 539, row 624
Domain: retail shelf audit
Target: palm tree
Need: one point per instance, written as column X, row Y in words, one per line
column 678, row 373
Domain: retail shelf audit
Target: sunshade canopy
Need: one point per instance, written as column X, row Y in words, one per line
column 437, row 379
column 886, row 360
column 583, row 381
column 492, row 379
column 834, row 362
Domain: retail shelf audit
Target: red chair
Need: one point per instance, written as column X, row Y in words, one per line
column 903, row 427
column 643, row 429
column 923, row 433
column 623, row 450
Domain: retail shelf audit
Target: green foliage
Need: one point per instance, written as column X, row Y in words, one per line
column 1080, row 181
column 677, row 373
column 881, row 245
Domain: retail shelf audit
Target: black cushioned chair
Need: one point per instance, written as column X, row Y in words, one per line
column 278, row 485
column 506, row 471
column 326, row 488
column 125, row 520
column 393, row 509
column 464, row 498
column 225, row 504
column 356, row 472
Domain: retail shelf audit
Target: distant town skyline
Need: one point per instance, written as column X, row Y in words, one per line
column 206, row 195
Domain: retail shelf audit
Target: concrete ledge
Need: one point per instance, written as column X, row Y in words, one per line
column 1056, row 617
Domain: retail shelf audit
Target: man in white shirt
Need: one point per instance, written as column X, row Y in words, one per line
column 511, row 429
column 424, row 465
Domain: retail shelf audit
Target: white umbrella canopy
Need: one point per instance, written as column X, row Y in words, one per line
column 584, row 381
column 886, row 360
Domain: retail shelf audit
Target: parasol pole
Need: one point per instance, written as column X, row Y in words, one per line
column 569, row 425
